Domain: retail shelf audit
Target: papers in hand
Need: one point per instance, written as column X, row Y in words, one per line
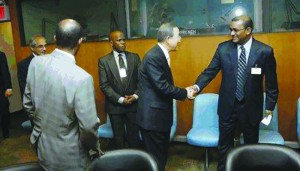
column 266, row 120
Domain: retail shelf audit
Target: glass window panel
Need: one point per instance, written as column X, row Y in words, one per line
column 141, row 18
column 285, row 15
column 97, row 17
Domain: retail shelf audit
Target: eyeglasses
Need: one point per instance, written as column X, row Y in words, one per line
column 41, row 46
column 235, row 30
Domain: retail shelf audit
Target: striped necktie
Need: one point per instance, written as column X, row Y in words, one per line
column 241, row 75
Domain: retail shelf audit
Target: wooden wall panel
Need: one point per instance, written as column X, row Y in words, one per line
column 191, row 58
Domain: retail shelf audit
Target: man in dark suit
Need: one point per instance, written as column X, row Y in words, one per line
column 118, row 81
column 38, row 47
column 156, row 94
column 244, row 63
column 5, row 92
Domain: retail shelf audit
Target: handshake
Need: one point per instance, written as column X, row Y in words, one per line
column 191, row 91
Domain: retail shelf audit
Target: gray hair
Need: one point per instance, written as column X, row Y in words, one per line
column 164, row 31
column 32, row 41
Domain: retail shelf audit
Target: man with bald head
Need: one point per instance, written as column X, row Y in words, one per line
column 118, row 81
column 59, row 96
column 246, row 65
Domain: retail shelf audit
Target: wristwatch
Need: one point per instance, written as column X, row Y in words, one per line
column 269, row 112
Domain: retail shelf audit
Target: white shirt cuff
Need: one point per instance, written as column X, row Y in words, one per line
column 121, row 100
column 136, row 96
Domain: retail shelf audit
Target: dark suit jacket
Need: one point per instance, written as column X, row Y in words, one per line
column 5, row 80
column 156, row 92
column 111, row 85
column 226, row 60
column 22, row 72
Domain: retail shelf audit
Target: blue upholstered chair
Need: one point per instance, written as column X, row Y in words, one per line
column 105, row 130
column 298, row 119
column 269, row 134
column 205, row 129
column 174, row 125
column 26, row 125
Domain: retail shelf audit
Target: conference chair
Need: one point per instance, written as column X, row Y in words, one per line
column 32, row 166
column 26, row 125
column 174, row 125
column 262, row 157
column 205, row 128
column 269, row 134
column 298, row 118
column 105, row 130
column 125, row 160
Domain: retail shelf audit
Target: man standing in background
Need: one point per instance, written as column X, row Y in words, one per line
column 59, row 95
column 156, row 94
column 118, row 75
column 5, row 92
column 38, row 47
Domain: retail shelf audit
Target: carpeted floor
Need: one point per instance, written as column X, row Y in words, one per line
column 17, row 149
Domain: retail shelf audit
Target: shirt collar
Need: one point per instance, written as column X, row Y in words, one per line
column 247, row 45
column 116, row 54
column 67, row 54
column 164, row 50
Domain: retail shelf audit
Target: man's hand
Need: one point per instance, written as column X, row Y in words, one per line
column 8, row 93
column 130, row 98
column 126, row 101
column 191, row 92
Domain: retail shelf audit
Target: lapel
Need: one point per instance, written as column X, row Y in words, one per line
column 111, row 62
column 252, row 56
column 234, row 57
column 165, row 64
column 130, row 66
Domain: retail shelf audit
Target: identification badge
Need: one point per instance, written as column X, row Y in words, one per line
column 122, row 72
column 256, row 71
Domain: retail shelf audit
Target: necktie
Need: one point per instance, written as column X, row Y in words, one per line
column 122, row 65
column 241, row 75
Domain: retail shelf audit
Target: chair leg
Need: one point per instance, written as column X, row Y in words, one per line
column 206, row 159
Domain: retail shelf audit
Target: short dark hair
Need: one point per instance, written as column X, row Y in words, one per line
column 68, row 33
column 247, row 21
column 164, row 31
column 112, row 32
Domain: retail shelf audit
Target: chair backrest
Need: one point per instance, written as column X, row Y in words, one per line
column 108, row 119
column 31, row 166
column 174, row 125
column 174, row 113
column 298, row 118
column 205, row 110
column 124, row 160
column 262, row 157
column 273, row 126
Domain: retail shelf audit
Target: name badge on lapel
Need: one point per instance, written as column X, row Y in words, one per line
column 256, row 71
column 123, row 72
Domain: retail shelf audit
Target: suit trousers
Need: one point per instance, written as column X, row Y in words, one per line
column 157, row 144
column 4, row 116
column 124, row 127
column 227, row 131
